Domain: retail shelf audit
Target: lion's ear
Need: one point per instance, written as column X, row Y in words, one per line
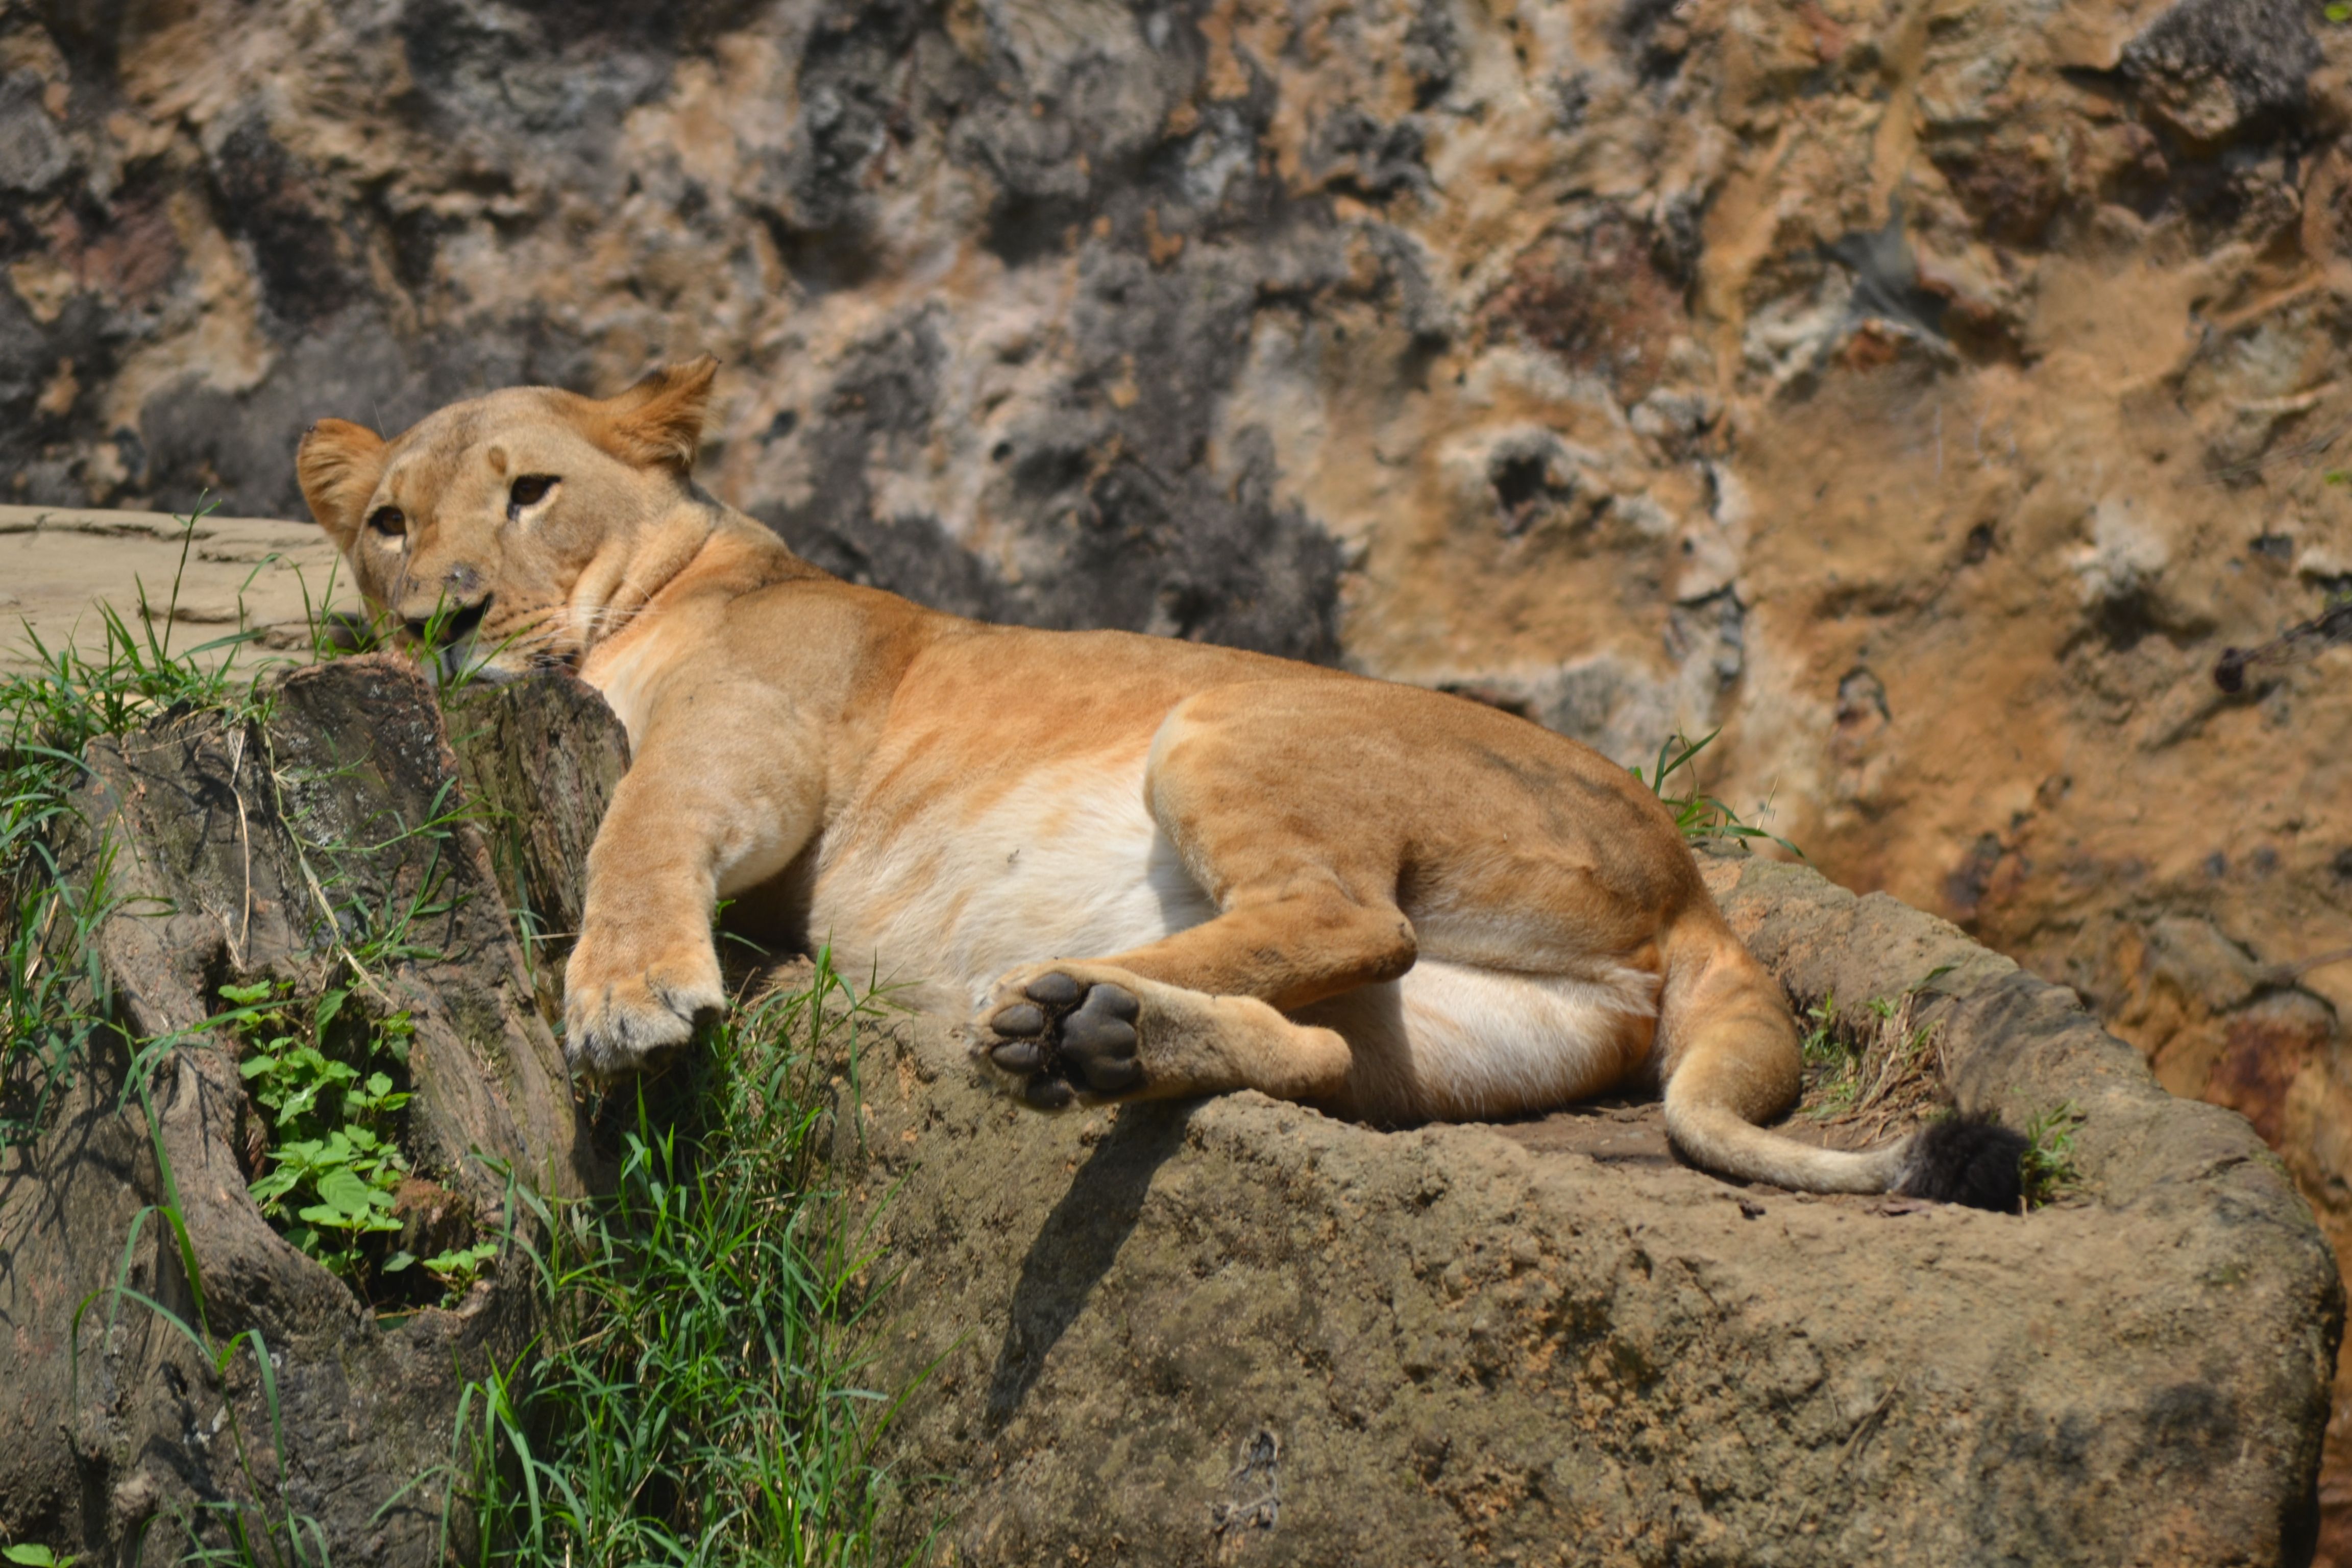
column 338, row 464
column 658, row 420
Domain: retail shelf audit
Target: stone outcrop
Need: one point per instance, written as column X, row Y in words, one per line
column 1240, row 1331
column 130, row 1386
column 201, row 581
column 1925, row 394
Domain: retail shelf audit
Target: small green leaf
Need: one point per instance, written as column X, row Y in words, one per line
column 398, row 1261
column 2339, row 13
column 328, row 1006
column 34, row 1557
column 345, row 1192
column 244, row 995
column 273, row 1185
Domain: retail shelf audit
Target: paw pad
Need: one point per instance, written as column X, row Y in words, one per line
column 1067, row 1037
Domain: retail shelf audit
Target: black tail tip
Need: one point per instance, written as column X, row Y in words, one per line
column 1971, row 1159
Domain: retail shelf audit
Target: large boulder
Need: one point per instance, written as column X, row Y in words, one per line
column 1239, row 1330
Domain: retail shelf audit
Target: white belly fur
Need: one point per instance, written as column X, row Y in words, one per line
column 1469, row 1043
column 1071, row 865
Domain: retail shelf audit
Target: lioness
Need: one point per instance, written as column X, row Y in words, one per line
column 1149, row 867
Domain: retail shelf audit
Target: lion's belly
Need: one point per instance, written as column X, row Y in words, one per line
column 1067, row 863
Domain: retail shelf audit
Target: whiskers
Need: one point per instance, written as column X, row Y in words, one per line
column 604, row 622
column 535, row 643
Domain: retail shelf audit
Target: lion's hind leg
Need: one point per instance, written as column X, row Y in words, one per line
column 1064, row 1031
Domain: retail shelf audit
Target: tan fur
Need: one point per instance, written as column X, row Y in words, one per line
column 1147, row 868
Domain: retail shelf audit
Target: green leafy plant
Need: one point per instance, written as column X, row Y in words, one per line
column 1698, row 815
column 333, row 1151
column 36, row 1557
column 2047, row 1168
column 459, row 1267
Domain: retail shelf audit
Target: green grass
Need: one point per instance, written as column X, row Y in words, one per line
column 1833, row 1062
column 2048, row 1167
column 699, row 1398
column 1874, row 1069
column 699, row 1393
column 72, row 696
column 1698, row 815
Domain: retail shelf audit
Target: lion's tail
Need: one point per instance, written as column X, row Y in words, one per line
column 1732, row 1060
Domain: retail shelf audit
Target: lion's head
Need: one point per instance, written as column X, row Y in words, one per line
column 502, row 531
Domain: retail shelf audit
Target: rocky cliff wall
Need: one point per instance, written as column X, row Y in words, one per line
column 1922, row 390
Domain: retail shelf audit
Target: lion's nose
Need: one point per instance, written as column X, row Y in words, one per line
column 462, row 582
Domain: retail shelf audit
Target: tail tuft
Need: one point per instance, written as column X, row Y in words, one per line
column 1971, row 1159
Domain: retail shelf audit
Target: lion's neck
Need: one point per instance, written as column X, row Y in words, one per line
column 666, row 602
column 699, row 549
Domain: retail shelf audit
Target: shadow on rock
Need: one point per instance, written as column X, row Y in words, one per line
column 1078, row 1245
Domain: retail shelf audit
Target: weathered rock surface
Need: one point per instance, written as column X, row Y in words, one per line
column 262, row 849
column 1240, row 1331
column 222, row 576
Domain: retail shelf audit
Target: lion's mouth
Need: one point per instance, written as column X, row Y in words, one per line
column 451, row 646
column 458, row 630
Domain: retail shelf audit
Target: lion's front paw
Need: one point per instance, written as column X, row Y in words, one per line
column 1057, row 1034
column 619, row 1011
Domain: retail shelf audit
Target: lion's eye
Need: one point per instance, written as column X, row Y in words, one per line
column 389, row 520
column 528, row 490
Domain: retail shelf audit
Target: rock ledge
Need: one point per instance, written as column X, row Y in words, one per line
column 1239, row 1330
